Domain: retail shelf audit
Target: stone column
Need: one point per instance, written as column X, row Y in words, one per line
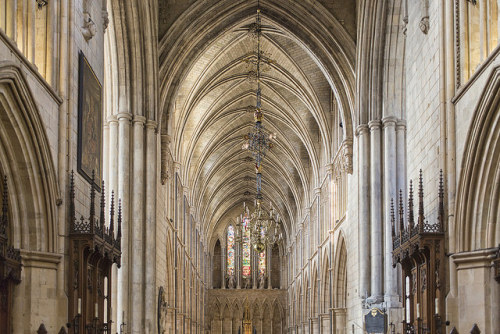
column 113, row 149
column 268, row 264
column 376, row 212
column 400, row 161
column 253, row 267
column 390, row 191
column 150, row 240
column 227, row 325
column 237, row 265
column 364, row 209
column 137, row 220
column 124, row 195
column 315, row 328
column 223, row 267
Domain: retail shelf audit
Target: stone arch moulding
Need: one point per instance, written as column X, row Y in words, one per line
column 323, row 37
column 340, row 274
column 26, row 159
column 478, row 196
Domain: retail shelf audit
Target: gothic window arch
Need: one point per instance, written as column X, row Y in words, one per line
column 230, row 251
column 241, row 265
column 246, row 249
column 476, row 33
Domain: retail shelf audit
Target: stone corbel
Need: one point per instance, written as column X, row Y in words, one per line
column 346, row 160
column 166, row 159
column 89, row 28
column 105, row 15
column 424, row 21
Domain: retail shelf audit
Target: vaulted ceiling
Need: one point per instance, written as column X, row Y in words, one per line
column 208, row 91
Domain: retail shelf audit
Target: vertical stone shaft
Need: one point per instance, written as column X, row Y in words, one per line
column 223, row 264
column 124, row 195
column 268, row 265
column 364, row 209
column 150, row 240
column 376, row 210
column 390, row 191
column 137, row 229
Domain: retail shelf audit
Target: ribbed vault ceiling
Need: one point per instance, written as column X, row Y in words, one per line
column 212, row 113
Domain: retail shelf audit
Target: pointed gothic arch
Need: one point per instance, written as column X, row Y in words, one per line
column 326, row 286
column 478, row 195
column 340, row 287
column 26, row 159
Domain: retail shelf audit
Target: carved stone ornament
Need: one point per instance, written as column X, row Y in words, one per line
column 42, row 3
column 252, row 76
column 167, row 162
column 424, row 24
column 89, row 28
column 105, row 19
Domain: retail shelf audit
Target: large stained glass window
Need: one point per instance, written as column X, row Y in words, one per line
column 262, row 257
column 246, row 247
column 230, row 250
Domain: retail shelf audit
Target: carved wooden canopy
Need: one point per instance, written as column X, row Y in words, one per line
column 419, row 248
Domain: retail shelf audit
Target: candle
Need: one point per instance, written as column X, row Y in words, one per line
column 79, row 306
column 105, row 286
column 436, row 302
column 418, row 311
column 96, row 311
column 407, row 311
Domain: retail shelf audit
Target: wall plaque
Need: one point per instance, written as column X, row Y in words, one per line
column 375, row 321
column 89, row 123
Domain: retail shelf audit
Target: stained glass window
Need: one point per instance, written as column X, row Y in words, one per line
column 230, row 250
column 262, row 257
column 246, row 247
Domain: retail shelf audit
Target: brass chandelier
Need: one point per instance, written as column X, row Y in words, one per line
column 260, row 226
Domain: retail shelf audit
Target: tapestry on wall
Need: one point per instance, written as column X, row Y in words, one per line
column 89, row 123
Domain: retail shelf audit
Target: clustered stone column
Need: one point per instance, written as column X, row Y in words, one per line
column 137, row 265
column 223, row 266
column 123, row 193
column 376, row 211
column 237, row 265
column 364, row 209
column 269, row 254
column 390, row 191
column 150, row 222
column 379, row 141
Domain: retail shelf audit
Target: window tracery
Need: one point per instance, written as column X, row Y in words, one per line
column 477, row 35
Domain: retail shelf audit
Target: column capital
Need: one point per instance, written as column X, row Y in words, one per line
column 389, row 121
column 112, row 119
column 362, row 129
column 151, row 124
column 374, row 124
column 139, row 119
column 124, row 116
column 401, row 125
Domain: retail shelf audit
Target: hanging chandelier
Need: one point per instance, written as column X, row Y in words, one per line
column 259, row 140
column 260, row 228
